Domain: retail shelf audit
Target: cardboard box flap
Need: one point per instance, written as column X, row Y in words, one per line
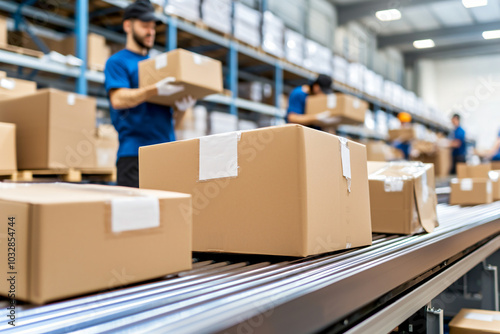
column 394, row 174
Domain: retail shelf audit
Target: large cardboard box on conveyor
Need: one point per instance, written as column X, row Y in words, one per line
column 195, row 75
column 333, row 109
column 402, row 197
column 8, row 160
column 75, row 239
column 471, row 191
column 286, row 190
column 494, row 176
column 469, row 321
column 54, row 129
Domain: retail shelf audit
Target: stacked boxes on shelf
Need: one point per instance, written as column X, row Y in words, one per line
column 246, row 24
column 294, row 47
column 318, row 58
column 217, row 14
column 273, row 30
column 188, row 9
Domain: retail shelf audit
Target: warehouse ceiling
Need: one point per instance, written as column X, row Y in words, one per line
column 456, row 30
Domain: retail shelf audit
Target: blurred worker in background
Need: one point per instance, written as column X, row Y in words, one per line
column 138, row 123
column 404, row 145
column 297, row 102
column 494, row 153
column 458, row 143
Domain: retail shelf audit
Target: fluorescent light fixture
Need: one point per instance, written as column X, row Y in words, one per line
column 492, row 34
column 388, row 15
column 424, row 44
column 474, row 3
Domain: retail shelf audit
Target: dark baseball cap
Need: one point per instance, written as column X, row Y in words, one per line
column 325, row 83
column 141, row 10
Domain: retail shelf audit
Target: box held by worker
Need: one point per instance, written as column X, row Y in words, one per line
column 465, row 171
column 55, row 129
column 112, row 231
column 335, row 109
column 267, row 191
column 8, row 162
column 470, row 321
column 403, row 134
column 471, row 191
column 194, row 75
column 402, row 197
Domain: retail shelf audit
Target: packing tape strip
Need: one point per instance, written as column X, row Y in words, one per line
column 345, row 155
column 161, row 61
column 466, row 185
column 7, row 84
column 219, row 156
column 331, row 101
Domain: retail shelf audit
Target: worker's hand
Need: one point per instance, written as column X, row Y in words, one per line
column 165, row 88
column 185, row 104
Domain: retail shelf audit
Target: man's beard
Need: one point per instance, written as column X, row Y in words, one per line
column 140, row 41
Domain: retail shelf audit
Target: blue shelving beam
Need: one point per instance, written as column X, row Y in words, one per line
column 81, row 32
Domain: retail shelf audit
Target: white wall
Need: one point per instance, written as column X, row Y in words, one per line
column 470, row 86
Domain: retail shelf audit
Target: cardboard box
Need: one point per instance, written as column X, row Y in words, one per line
column 3, row 74
column 54, row 129
column 471, row 191
column 137, row 234
column 465, row 171
column 267, row 191
column 198, row 75
column 273, row 35
column 217, row 14
column 380, row 151
column 441, row 158
column 294, row 47
column 469, row 321
column 402, row 198
column 3, row 30
column 8, row 162
column 10, row 88
column 337, row 109
column 495, row 165
column 106, row 146
column 188, row 9
column 403, row 134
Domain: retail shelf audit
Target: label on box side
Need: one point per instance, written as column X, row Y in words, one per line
column 356, row 103
column 71, row 99
column 346, row 161
column 134, row 213
column 331, row 101
column 479, row 316
column 393, row 184
column 161, row 61
column 198, row 59
column 489, row 187
column 494, row 176
column 7, row 84
column 466, row 185
column 219, row 156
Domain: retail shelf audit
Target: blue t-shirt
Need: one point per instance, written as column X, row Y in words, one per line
column 460, row 135
column 297, row 102
column 497, row 156
column 145, row 124
column 405, row 147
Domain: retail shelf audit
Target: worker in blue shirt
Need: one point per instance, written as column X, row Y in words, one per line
column 137, row 122
column 404, row 145
column 458, row 143
column 296, row 112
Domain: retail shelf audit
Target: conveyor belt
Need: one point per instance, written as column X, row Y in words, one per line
column 272, row 295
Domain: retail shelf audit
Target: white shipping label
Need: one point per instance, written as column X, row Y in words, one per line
column 134, row 213
column 466, row 185
column 346, row 161
column 219, row 156
column 356, row 103
column 161, row 61
column 71, row 99
column 479, row 317
column 197, row 59
column 489, row 187
column 393, row 184
column 494, row 176
column 331, row 101
column 7, row 84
